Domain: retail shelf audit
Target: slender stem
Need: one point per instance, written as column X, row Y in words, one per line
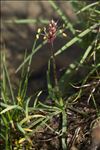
column 63, row 116
column 54, row 69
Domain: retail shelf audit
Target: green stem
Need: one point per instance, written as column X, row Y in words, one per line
column 63, row 114
column 55, row 72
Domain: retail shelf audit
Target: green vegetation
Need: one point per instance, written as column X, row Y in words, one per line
column 20, row 122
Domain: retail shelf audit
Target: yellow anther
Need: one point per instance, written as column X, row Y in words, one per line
column 63, row 25
column 37, row 36
column 44, row 37
column 39, row 30
column 60, row 30
column 64, row 34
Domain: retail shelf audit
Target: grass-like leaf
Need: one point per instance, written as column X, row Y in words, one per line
column 75, row 39
column 10, row 108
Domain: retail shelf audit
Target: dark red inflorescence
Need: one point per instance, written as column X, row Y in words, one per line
column 52, row 31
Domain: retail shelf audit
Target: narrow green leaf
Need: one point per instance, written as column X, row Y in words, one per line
column 10, row 108
column 36, row 99
column 31, row 117
column 87, row 7
column 27, row 21
column 20, row 128
column 75, row 39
